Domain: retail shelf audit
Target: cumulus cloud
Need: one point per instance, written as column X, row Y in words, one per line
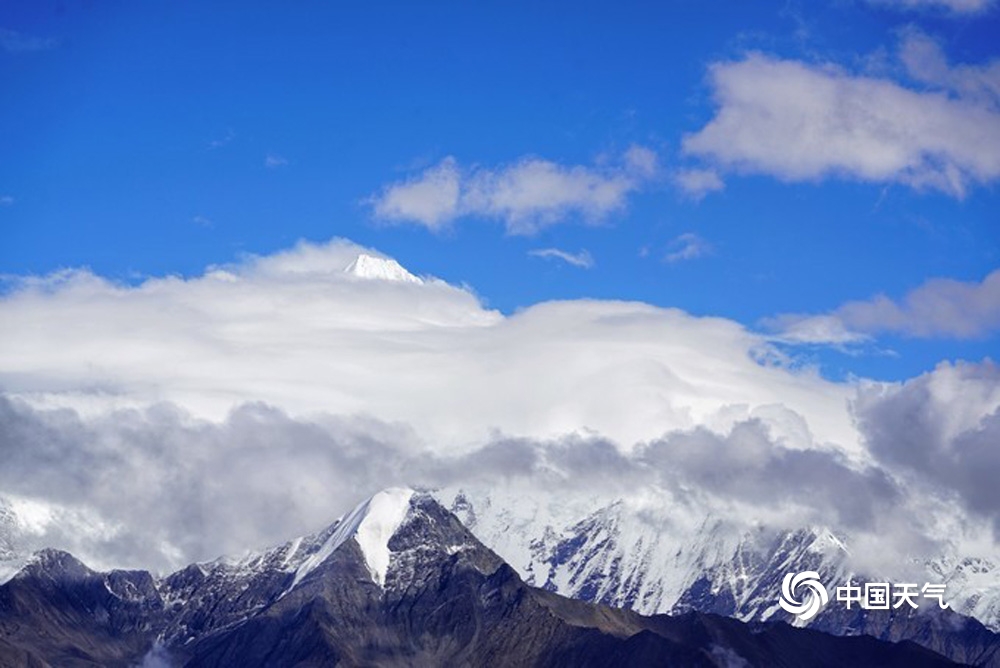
column 941, row 307
column 430, row 198
column 944, row 428
column 583, row 259
column 688, row 246
column 527, row 195
column 802, row 122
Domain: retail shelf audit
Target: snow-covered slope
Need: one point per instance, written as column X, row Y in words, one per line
column 399, row 581
column 655, row 555
column 371, row 524
column 370, row 267
column 12, row 559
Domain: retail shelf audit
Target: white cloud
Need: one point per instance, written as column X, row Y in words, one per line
column 926, row 62
column 273, row 161
column 6, row 200
column 279, row 390
column 818, row 329
column 803, row 122
column 528, row 195
column 688, row 246
column 156, row 487
column 293, row 330
column 944, row 428
column 118, row 487
column 941, row 307
column 583, row 259
column 955, row 6
column 203, row 221
column 430, row 199
column 698, row 182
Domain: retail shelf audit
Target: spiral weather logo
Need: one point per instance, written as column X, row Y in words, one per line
column 806, row 609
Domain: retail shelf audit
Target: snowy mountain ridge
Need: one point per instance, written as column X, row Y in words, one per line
column 651, row 557
column 400, row 573
column 661, row 557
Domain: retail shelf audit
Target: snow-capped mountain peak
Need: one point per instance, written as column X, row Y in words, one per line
column 370, row 267
column 371, row 525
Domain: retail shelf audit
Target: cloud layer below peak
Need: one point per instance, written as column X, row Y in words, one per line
column 294, row 330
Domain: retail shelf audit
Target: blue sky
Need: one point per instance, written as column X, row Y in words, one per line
column 154, row 138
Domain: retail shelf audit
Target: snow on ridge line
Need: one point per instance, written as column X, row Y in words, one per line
column 371, row 524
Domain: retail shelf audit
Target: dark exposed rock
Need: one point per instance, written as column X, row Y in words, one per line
column 446, row 600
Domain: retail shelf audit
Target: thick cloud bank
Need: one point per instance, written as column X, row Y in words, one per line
column 943, row 430
column 183, row 418
column 295, row 331
column 156, row 487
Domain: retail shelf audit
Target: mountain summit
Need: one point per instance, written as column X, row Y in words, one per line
column 369, row 267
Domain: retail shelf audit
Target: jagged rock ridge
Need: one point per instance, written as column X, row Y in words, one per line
column 439, row 597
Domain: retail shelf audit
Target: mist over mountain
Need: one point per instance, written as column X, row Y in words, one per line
column 397, row 581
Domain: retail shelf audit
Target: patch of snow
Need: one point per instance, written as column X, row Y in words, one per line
column 386, row 511
column 371, row 524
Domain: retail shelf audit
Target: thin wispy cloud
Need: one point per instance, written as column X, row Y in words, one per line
column 799, row 121
column 940, row 308
column 222, row 141
column 687, row 246
column 274, row 161
column 696, row 183
column 526, row 196
column 926, row 62
column 202, row 221
column 6, row 200
column 953, row 6
column 13, row 41
column 582, row 259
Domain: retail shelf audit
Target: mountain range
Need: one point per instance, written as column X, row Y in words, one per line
column 401, row 581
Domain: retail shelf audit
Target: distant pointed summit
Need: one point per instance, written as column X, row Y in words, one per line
column 370, row 267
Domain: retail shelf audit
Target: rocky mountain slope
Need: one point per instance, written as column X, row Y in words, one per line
column 399, row 581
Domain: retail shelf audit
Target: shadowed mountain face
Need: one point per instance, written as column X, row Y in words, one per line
column 398, row 582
